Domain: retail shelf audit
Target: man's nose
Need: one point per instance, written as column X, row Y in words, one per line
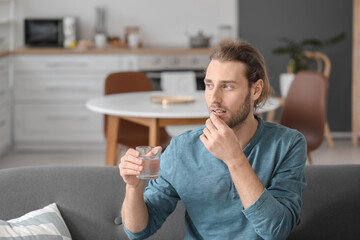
column 216, row 96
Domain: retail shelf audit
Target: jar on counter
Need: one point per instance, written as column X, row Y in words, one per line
column 225, row 33
column 132, row 37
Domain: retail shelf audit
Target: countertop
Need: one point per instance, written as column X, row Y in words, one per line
column 162, row 51
column 4, row 53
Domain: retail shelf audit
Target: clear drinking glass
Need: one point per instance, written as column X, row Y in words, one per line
column 151, row 162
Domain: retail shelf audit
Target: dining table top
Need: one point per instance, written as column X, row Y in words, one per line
column 141, row 104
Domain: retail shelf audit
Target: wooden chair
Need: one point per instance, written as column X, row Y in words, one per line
column 131, row 134
column 305, row 107
column 324, row 67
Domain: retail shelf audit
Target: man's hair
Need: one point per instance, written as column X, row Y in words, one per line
column 242, row 51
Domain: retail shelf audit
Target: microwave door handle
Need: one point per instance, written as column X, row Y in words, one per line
column 61, row 33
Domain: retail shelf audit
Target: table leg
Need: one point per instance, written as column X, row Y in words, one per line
column 113, row 124
column 154, row 133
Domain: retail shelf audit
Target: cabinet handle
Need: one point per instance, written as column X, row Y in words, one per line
column 157, row 61
column 66, row 118
column 176, row 61
column 195, row 61
column 2, row 123
column 67, row 88
column 67, row 64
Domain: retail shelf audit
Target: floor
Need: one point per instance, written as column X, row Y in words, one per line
column 343, row 153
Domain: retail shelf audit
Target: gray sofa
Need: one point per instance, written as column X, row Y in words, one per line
column 89, row 199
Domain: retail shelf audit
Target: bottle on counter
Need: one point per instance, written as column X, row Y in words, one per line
column 100, row 38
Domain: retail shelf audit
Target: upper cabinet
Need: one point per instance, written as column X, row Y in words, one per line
column 6, row 25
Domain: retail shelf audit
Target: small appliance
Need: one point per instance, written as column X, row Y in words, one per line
column 49, row 32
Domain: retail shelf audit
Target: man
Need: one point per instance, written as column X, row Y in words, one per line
column 238, row 176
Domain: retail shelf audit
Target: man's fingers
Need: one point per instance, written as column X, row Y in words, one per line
column 128, row 168
column 203, row 139
column 206, row 132
column 127, row 172
column 217, row 122
column 129, row 165
column 132, row 152
column 130, row 158
column 154, row 151
column 210, row 125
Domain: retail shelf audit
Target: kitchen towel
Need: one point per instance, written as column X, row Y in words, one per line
column 178, row 82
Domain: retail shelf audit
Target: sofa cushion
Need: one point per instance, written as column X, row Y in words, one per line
column 331, row 203
column 41, row 224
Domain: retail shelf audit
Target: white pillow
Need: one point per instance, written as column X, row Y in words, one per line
column 42, row 224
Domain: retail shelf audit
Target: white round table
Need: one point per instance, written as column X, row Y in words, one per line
column 138, row 107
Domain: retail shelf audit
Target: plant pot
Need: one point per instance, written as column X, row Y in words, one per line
column 286, row 80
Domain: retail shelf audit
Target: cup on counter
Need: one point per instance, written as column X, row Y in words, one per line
column 100, row 40
column 151, row 162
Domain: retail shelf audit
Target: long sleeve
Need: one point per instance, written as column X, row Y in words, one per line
column 277, row 210
column 160, row 197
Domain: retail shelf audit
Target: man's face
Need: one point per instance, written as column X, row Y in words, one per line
column 227, row 92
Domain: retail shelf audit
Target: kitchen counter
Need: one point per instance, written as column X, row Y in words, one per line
column 162, row 51
column 4, row 54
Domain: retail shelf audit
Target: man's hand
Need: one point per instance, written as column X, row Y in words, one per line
column 130, row 166
column 221, row 140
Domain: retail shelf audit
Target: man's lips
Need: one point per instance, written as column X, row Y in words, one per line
column 218, row 111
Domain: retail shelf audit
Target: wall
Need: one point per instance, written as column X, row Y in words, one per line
column 264, row 22
column 163, row 23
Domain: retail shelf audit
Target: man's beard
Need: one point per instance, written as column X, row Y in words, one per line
column 241, row 114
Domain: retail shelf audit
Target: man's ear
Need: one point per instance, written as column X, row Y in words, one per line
column 256, row 89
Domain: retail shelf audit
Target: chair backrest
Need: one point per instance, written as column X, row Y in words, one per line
column 305, row 106
column 323, row 62
column 122, row 82
column 131, row 134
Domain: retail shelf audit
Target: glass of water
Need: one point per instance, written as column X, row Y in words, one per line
column 151, row 162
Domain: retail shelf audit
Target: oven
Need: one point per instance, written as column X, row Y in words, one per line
column 153, row 65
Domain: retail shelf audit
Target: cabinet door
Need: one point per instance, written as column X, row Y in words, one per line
column 54, row 123
column 65, row 64
column 173, row 62
column 50, row 93
column 129, row 63
column 57, row 87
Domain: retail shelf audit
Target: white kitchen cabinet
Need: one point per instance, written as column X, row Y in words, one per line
column 50, row 92
column 173, row 62
column 5, row 124
column 56, row 123
column 6, row 25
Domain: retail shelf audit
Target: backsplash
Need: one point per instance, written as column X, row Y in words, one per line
column 162, row 23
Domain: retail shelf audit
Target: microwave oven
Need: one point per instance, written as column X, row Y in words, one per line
column 44, row 32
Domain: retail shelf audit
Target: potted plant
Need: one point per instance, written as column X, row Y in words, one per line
column 298, row 60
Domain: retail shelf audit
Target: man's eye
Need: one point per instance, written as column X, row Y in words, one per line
column 208, row 85
column 227, row 86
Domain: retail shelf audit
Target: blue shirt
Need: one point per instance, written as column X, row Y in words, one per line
column 190, row 173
